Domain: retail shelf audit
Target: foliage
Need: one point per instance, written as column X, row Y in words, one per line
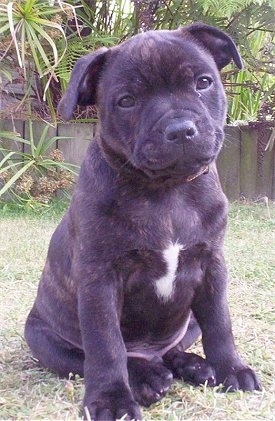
column 251, row 96
column 112, row 18
column 29, row 31
column 47, row 37
column 36, row 173
column 24, row 28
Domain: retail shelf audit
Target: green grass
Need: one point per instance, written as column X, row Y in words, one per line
column 28, row 392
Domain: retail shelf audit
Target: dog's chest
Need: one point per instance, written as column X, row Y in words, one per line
column 162, row 275
column 164, row 285
column 159, row 287
column 165, row 256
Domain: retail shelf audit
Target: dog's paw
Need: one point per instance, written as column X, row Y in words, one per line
column 191, row 368
column 149, row 380
column 111, row 409
column 238, row 378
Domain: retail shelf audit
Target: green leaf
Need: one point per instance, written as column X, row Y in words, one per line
column 36, row 44
column 13, row 31
column 5, row 159
column 40, row 148
column 10, row 166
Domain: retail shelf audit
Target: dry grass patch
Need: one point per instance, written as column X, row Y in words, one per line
column 28, row 392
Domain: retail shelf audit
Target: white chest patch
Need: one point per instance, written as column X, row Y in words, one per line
column 165, row 285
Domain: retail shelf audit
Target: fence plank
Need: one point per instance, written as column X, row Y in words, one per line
column 248, row 162
column 75, row 149
column 228, row 163
column 265, row 168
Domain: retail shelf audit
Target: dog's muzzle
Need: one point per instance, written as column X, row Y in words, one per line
column 181, row 148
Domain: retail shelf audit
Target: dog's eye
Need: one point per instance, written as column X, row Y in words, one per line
column 126, row 101
column 203, row 82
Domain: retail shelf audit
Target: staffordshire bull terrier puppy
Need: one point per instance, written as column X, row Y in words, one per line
column 135, row 270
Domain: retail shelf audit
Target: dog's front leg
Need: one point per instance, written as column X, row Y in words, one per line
column 107, row 392
column 210, row 308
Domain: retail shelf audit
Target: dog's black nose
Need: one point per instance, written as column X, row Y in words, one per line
column 179, row 131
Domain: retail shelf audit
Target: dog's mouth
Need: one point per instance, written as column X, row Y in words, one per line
column 159, row 169
column 158, row 158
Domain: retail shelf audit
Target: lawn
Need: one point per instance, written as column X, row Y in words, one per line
column 28, row 392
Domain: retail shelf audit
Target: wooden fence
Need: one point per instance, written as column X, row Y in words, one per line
column 245, row 168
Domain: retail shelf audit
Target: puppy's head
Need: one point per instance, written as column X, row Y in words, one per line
column 160, row 99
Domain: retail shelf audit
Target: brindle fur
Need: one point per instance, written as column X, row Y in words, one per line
column 97, row 294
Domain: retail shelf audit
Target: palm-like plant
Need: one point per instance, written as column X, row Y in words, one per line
column 27, row 27
column 38, row 171
column 29, row 30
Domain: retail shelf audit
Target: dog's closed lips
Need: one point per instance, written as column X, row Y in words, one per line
column 135, row 270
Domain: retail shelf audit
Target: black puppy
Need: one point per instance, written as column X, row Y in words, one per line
column 135, row 270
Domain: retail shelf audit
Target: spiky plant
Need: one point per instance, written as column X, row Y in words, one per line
column 36, row 173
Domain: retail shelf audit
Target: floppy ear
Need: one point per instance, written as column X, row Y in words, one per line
column 220, row 45
column 83, row 83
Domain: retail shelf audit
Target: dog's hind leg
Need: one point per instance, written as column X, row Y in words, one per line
column 51, row 351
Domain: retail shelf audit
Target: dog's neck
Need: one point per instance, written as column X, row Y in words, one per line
column 122, row 166
column 203, row 170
